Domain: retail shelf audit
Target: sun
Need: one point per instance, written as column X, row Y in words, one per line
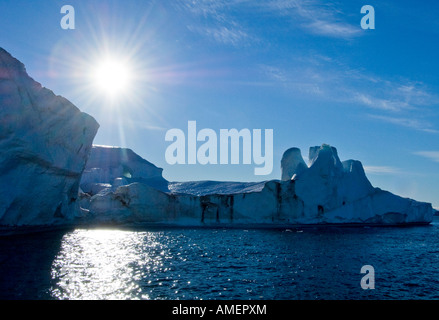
column 112, row 77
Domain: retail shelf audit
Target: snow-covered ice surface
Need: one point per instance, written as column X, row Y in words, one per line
column 45, row 142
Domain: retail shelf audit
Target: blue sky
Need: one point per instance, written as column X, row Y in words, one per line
column 305, row 69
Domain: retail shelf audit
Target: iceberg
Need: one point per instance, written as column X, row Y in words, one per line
column 327, row 191
column 51, row 174
column 45, row 142
column 112, row 167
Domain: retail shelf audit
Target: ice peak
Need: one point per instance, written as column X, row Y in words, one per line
column 292, row 163
column 324, row 154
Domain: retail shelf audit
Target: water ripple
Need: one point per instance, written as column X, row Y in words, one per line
column 221, row 264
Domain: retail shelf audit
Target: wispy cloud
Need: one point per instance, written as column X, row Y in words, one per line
column 380, row 103
column 347, row 84
column 219, row 20
column 393, row 96
column 275, row 73
column 400, row 102
column 413, row 123
column 333, row 29
column 215, row 21
column 432, row 155
column 304, row 82
column 228, row 35
column 397, row 101
column 316, row 17
column 381, row 170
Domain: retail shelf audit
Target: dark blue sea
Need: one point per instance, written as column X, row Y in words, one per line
column 187, row 263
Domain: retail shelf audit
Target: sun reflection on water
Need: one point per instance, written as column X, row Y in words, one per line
column 106, row 264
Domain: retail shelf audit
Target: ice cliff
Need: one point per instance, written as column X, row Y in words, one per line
column 326, row 192
column 45, row 142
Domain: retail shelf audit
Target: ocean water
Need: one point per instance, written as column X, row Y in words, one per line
column 187, row 263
